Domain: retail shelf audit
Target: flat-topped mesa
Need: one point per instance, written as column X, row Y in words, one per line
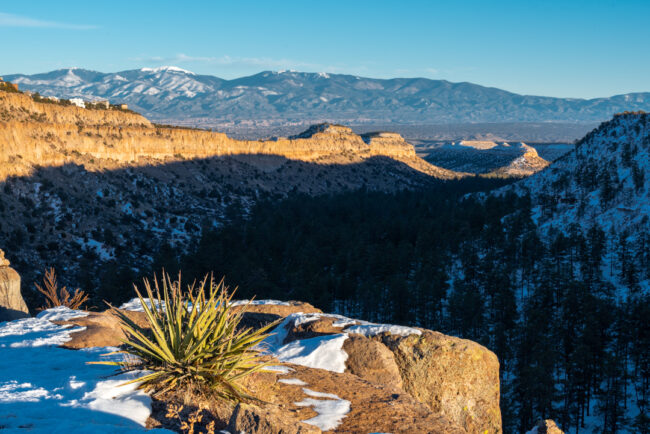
column 46, row 134
column 477, row 144
column 324, row 128
column 387, row 142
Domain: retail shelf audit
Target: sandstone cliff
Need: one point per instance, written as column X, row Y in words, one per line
column 43, row 134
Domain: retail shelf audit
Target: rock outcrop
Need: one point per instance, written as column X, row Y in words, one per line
column 12, row 305
column 268, row 419
column 456, row 377
column 527, row 164
column 393, row 379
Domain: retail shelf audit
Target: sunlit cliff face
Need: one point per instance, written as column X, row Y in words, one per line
column 42, row 134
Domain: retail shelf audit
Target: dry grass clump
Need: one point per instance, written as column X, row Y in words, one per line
column 59, row 297
column 188, row 425
column 194, row 341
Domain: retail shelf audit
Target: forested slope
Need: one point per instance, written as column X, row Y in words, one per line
column 550, row 273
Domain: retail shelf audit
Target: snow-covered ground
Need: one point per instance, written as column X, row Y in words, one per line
column 47, row 389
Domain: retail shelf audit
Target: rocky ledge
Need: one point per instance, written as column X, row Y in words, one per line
column 337, row 374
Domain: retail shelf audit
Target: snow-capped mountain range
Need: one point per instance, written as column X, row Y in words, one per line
column 290, row 97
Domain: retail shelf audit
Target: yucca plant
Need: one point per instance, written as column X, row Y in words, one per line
column 192, row 340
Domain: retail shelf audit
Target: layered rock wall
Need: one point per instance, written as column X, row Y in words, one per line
column 46, row 134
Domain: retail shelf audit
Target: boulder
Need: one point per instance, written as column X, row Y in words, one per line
column 4, row 262
column 371, row 360
column 12, row 305
column 373, row 407
column 455, row 377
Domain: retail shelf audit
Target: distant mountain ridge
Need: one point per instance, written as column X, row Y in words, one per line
column 300, row 98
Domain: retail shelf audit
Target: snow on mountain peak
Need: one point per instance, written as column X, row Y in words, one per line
column 167, row 69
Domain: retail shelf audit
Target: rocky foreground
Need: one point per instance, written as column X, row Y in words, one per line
column 343, row 375
column 329, row 374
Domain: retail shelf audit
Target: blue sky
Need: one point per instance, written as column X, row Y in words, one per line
column 569, row 48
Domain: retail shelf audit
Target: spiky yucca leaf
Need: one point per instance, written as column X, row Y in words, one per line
column 192, row 339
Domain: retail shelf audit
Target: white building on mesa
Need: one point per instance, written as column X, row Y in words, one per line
column 78, row 102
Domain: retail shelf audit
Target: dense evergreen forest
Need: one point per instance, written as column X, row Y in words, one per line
column 565, row 314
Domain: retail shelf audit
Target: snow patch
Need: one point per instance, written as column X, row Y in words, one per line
column 376, row 329
column 323, row 352
column 281, row 369
column 259, row 302
column 330, row 411
column 292, row 381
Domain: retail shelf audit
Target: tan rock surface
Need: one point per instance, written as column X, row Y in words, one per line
column 373, row 407
column 4, row 262
column 282, row 310
column 455, row 377
column 102, row 329
column 372, row 361
column 253, row 419
column 12, row 305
